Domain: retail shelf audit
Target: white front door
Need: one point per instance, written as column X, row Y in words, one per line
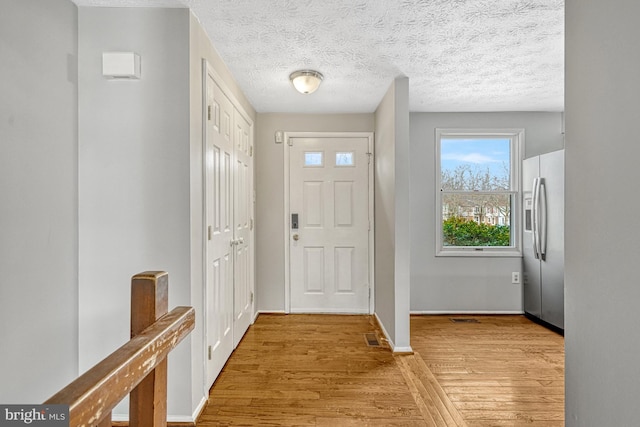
column 219, row 216
column 329, row 224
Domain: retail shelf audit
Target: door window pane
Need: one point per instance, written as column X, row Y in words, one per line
column 313, row 158
column 344, row 159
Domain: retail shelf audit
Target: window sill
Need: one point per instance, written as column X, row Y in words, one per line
column 479, row 252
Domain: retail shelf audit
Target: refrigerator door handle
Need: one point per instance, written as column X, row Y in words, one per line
column 534, row 219
column 543, row 221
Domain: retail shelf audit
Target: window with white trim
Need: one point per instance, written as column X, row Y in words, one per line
column 478, row 192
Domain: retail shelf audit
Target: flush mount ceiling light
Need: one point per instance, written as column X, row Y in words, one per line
column 306, row 81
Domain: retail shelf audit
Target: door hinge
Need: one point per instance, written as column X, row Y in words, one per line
column 369, row 156
column 208, row 112
column 209, row 233
column 210, row 350
column 290, row 142
column 251, row 224
column 251, row 297
column 251, row 151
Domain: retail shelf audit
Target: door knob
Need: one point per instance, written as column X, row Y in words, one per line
column 296, row 237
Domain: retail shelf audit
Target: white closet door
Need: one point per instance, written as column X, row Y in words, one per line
column 219, row 216
column 243, row 225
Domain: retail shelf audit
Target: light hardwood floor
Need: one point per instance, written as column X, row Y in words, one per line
column 502, row 371
column 318, row 370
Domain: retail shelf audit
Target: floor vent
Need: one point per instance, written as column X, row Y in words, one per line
column 463, row 320
column 371, row 339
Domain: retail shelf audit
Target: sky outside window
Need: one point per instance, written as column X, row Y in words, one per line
column 491, row 153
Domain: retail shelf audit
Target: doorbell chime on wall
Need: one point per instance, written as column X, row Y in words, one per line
column 121, row 65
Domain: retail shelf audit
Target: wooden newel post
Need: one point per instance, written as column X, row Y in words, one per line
column 149, row 302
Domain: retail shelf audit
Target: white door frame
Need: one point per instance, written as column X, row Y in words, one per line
column 287, row 219
column 207, row 69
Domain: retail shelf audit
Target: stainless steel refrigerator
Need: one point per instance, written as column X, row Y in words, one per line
column 543, row 237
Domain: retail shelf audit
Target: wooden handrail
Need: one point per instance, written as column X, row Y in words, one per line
column 93, row 395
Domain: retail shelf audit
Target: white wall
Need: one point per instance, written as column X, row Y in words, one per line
column 392, row 214
column 602, row 240
column 457, row 284
column 269, row 172
column 38, row 199
column 134, row 179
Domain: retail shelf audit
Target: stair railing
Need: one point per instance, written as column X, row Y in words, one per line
column 138, row 368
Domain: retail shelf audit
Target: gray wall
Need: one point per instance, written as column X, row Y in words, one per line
column 385, row 213
column 458, row 284
column 138, row 176
column 602, row 239
column 403, row 215
column 392, row 214
column 134, row 179
column 38, row 193
column 269, row 172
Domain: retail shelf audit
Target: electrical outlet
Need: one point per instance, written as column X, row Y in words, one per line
column 515, row 277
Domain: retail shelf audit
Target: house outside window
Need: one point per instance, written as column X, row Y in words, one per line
column 478, row 192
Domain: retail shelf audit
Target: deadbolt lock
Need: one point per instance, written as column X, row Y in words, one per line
column 296, row 237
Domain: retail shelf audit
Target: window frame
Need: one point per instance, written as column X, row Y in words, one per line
column 516, row 136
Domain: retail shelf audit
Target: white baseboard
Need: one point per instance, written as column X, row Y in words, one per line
column 466, row 312
column 182, row 419
column 330, row 311
column 384, row 331
column 393, row 346
column 312, row 311
column 270, row 312
column 199, row 408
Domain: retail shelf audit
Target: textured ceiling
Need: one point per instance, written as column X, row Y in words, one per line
column 459, row 55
